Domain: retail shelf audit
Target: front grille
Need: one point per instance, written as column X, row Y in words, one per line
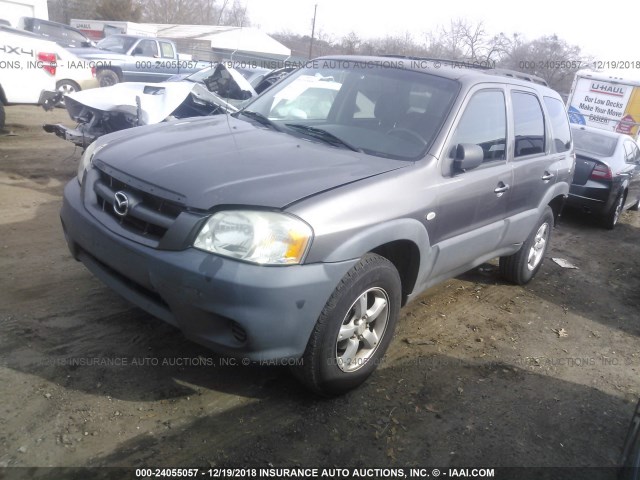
column 148, row 215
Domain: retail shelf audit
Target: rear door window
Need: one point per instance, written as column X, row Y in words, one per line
column 167, row 50
column 528, row 122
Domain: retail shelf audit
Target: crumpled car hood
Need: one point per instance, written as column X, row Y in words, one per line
column 222, row 160
column 157, row 100
column 105, row 110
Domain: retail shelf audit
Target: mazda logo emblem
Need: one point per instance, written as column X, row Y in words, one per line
column 121, row 204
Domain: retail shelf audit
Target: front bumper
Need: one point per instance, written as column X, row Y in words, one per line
column 235, row 308
column 74, row 135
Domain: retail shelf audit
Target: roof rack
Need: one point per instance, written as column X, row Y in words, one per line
column 456, row 63
column 519, row 75
column 480, row 66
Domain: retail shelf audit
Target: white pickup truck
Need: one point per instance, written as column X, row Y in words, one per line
column 27, row 70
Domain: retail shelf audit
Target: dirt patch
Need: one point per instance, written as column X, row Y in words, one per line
column 481, row 372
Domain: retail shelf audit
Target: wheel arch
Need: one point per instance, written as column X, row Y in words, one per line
column 557, row 204
column 404, row 242
column 68, row 80
column 555, row 198
column 405, row 256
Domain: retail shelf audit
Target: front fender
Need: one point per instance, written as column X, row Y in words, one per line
column 376, row 235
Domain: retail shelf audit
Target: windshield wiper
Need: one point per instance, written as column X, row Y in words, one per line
column 260, row 118
column 323, row 135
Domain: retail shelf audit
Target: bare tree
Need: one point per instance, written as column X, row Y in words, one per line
column 350, row 43
column 123, row 10
column 64, row 10
column 196, row 12
column 548, row 57
column 466, row 41
column 173, row 11
column 235, row 16
column 452, row 41
column 473, row 40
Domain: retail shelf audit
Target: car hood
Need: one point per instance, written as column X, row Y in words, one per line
column 207, row 162
column 157, row 100
column 99, row 53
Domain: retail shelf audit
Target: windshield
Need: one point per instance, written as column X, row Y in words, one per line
column 116, row 44
column 379, row 110
column 595, row 143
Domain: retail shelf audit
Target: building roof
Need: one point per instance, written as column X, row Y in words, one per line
column 241, row 39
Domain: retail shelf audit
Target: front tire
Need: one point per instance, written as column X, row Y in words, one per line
column 523, row 265
column 354, row 329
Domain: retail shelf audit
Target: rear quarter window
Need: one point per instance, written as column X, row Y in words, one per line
column 559, row 124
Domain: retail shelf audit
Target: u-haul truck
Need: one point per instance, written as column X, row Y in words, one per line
column 609, row 100
column 98, row 29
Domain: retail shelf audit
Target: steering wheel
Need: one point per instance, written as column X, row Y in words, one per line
column 400, row 131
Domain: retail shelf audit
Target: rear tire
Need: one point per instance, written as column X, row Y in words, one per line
column 107, row 78
column 610, row 220
column 523, row 265
column 354, row 328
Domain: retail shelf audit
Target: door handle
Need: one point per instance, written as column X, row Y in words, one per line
column 547, row 176
column 500, row 189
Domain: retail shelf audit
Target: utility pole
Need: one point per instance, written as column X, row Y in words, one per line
column 313, row 30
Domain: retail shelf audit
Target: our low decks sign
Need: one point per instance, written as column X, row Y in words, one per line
column 602, row 104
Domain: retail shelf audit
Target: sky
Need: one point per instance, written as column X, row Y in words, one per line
column 605, row 32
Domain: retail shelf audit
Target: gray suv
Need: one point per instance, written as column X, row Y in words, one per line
column 298, row 227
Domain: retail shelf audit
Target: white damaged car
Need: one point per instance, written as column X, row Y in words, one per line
column 130, row 104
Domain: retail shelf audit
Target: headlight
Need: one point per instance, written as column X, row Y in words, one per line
column 267, row 238
column 87, row 157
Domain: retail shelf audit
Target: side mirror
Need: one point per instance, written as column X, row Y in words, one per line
column 467, row 156
column 137, row 51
